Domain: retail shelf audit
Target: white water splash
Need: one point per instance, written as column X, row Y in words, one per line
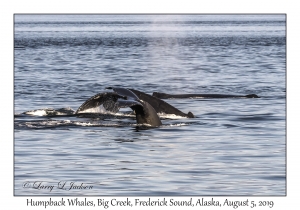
column 99, row 109
column 177, row 124
column 50, row 111
column 170, row 116
column 38, row 112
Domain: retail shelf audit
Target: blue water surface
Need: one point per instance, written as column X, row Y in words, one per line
column 233, row 146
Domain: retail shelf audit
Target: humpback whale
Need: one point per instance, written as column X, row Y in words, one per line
column 168, row 96
column 145, row 106
column 108, row 100
column 121, row 98
column 161, row 106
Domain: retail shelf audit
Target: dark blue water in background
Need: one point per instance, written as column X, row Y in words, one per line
column 232, row 147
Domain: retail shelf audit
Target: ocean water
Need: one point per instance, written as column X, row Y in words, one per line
column 233, row 146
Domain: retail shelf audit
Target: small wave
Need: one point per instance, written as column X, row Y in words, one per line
column 102, row 124
column 178, row 124
column 50, row 112
column 89, row 112
column 171, row 125
column 98, row 112
column 34, row 42
column 66, row 124
column 94, row 117
column 19, row 48
column 46, row 124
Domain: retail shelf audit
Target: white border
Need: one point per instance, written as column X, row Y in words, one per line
column 8, row 8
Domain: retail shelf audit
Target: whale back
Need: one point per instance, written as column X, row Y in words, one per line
column 159, row 105
column 169, row 96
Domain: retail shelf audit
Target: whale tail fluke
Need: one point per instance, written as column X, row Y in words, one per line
column 144, row 110
column 122, row 98
column 108, row 100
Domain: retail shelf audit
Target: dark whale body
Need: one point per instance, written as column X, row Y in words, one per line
column 168, row 96
column 120, row 98
column 159, row 105
column 108, row 100
column 144, row 105
column 145, row 113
